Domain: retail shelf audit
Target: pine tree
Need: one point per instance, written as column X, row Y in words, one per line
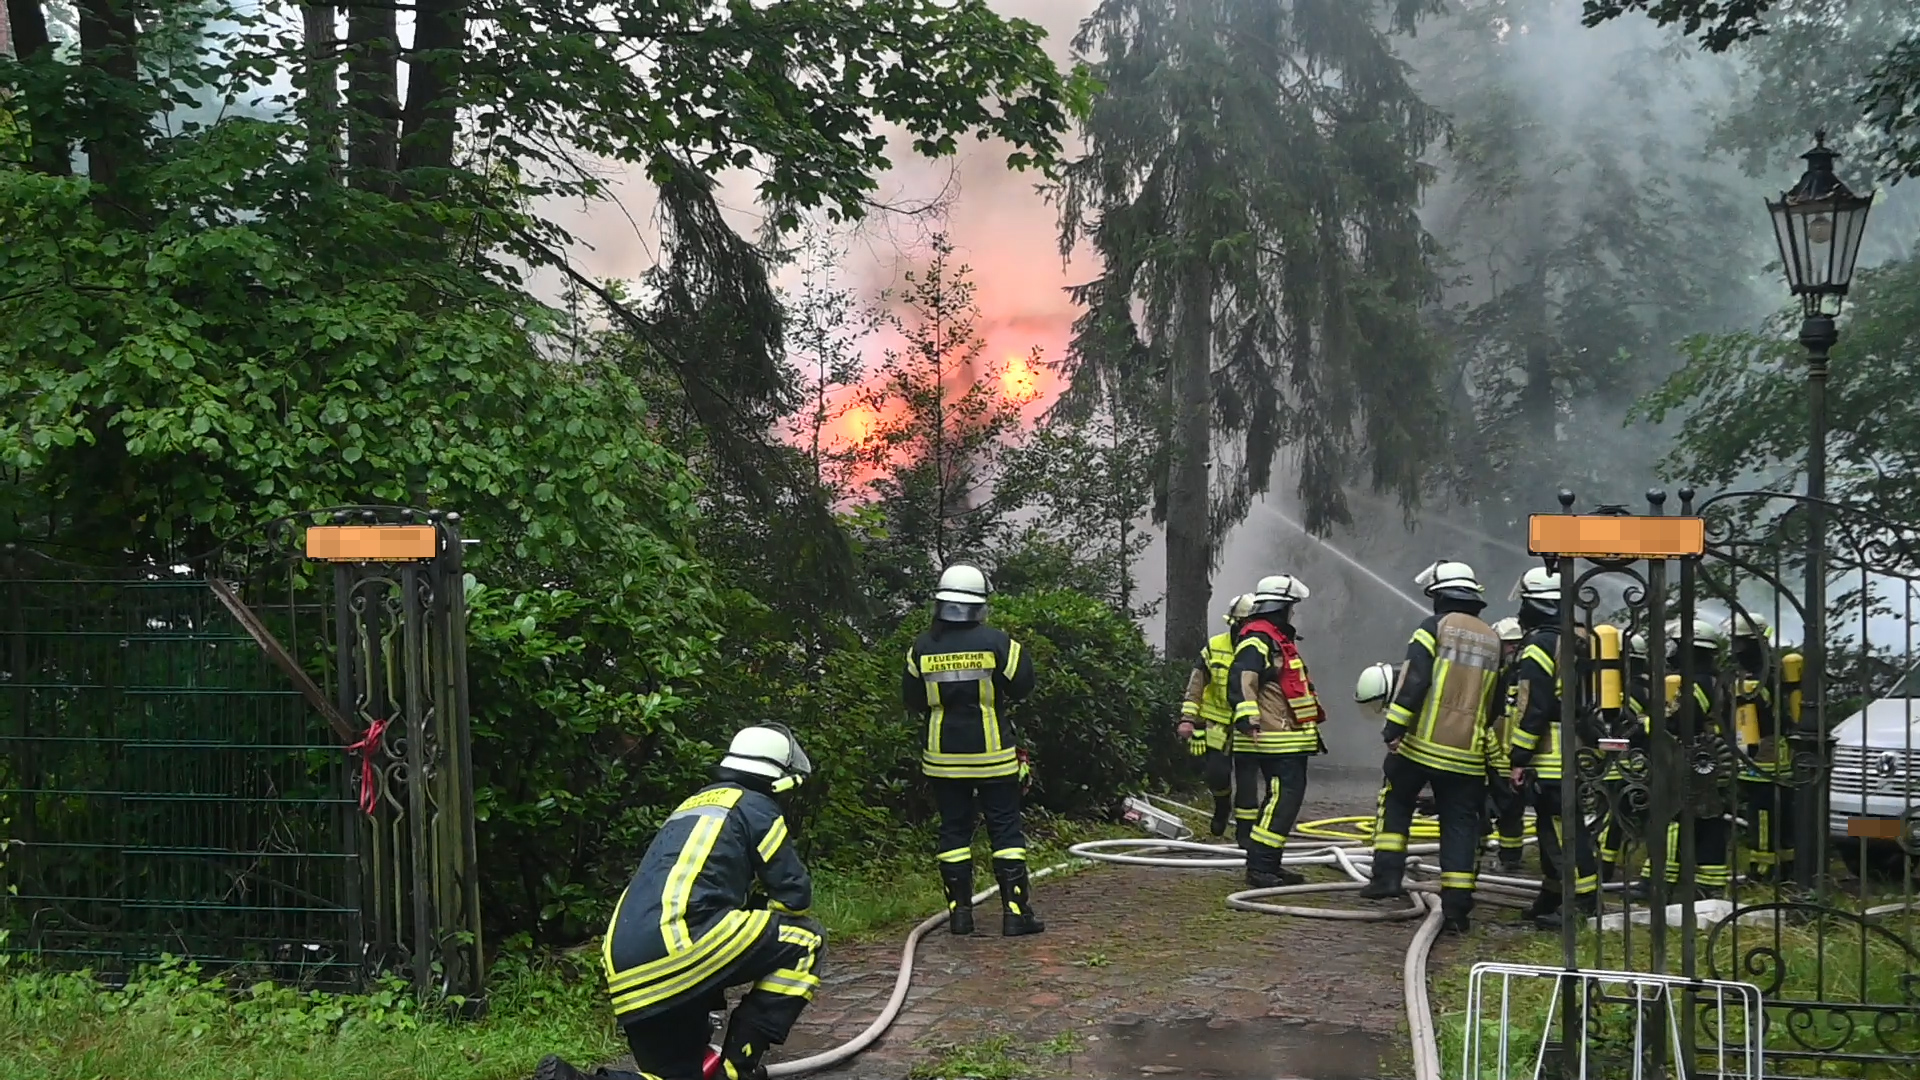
column 940, row 420
column 1250, row 185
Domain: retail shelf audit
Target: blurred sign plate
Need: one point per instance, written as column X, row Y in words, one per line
column 372, row 543
column 1600, row 536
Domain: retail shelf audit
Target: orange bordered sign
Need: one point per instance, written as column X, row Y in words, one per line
column 1605, row 536
column 373, row 543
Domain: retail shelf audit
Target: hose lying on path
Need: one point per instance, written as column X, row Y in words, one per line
column 1351, row 857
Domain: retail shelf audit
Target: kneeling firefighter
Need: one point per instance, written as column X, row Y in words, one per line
column 1538, row 757
column 1509, row 806
column 1436, row 735
column 960, row 673
column 1276, row 723
column 685, row 929
column 1206, row 720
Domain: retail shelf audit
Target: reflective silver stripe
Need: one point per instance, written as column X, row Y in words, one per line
column 962, row 675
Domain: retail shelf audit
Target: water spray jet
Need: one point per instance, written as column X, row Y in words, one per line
column 1418, row 605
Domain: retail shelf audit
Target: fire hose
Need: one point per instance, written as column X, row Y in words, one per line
column 1351, row 855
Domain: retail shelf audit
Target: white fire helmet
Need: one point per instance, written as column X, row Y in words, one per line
column 1706, row 635
column 1742, row 625
column 1448, row 577
column 1637, row 644
column 1375, row 684
column 962, row 584
column 1279, row 589
column 1508, row 629
column 1539, row 585
column 1241, row 607
column 769, row 750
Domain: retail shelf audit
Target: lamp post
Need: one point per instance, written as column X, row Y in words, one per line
column 1818, row 225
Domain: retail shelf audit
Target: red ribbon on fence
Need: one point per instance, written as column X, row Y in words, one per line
column 369, row 798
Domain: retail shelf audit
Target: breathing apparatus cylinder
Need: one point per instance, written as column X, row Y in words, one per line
column 1608, row 670
column 1673, row 694
column 1792, row 667
column 1746, row 715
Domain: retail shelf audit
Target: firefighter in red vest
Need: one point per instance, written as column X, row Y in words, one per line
column 1276, row 721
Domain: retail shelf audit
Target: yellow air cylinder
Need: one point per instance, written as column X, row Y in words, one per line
column 1606, row 648
column 1746, row 715
column 1673, row 694
column 1792, row 666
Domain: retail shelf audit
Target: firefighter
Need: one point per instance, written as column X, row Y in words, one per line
column 1712, row 834
column 1206, row 720
column 1536, row 756
column 1635, row 713
column 1436, row 734
column 1509, row 816
column 1276, row 718
column 686, row 929
column 960, row 674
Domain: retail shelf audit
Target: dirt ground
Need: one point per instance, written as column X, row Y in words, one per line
column 1141, row 972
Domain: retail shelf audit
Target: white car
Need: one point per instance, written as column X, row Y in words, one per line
column 1876, row 774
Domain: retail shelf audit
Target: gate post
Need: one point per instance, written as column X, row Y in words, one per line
column 400, row 598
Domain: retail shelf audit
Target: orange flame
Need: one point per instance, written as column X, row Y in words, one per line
column 1018, row 381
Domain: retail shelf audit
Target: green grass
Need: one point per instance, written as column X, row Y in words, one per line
column 177, row 1023
column 996, row 1058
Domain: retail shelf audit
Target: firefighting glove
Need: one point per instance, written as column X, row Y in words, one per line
column 1026, row 771
column 1197, row 743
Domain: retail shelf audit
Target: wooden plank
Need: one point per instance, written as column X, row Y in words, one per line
column 1601, row 536
column 283, row 660
column 372, row 543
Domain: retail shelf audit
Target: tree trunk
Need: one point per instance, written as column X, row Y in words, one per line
column 433, row 83
column 320, row 83
column 1540, row 412
column 373, row 123
column 1189, row 558
column 109, row 41
column 27, row 25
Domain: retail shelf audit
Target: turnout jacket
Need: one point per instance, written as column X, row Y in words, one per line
column 1445, row 691
column 959, row 676
column 1206, row 698
column 1275, row 708
column 684, row 916
column 1538, row 688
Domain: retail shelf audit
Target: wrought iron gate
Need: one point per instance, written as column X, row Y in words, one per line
column 173, row 779
column 1752, row 822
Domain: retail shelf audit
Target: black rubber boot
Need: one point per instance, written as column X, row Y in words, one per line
column 1584, row 907
column 1545, row 902
column 1016, row 897
column 553, row 1067
column 1389, row 876
column 1456, row 907
column 958, row 879
column 1266, row 870
column 1509, row 861
column 1222, row 810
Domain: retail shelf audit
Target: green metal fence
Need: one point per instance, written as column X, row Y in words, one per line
column 164, row 788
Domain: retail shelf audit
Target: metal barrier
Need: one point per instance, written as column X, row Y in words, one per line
column 1630, row 1023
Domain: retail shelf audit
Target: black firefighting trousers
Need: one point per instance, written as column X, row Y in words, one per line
column 1509, row 817
column 1269, row 790
column 1459, row 799
column 672, row 1042
column 997, row 800
column 1553, row 843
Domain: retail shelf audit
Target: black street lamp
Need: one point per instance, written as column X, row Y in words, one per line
column 1819, row 225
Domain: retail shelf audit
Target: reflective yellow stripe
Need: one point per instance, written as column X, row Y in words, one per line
column 1423, row 638
column 770, row 843
column 969, row 772
column 1540, row 656
column 731, row 925
column 1457, row 879
column 989, row 716
column 1013, row 659
column 1004, row 756
column 728, row 949
column 1015, row 854
column 686, row 868
column 606, row 946
column 955, row 855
